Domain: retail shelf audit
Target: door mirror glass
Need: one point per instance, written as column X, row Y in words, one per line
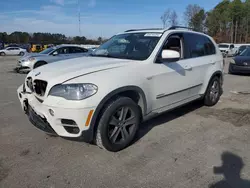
column 55, row 53
column 170, row 54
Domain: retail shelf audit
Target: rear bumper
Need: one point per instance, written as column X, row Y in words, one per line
column 64, row 122
column 233, row 68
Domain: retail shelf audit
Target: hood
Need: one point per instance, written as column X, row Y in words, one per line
column 62, row 71
column 240, row 60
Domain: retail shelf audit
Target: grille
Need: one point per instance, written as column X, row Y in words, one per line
column 40, row 87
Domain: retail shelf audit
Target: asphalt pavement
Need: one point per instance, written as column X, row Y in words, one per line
column 193, row 146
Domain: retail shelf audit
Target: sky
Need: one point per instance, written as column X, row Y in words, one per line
column 98, row 17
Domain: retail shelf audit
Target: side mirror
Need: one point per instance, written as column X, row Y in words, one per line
column 55, row 53
column 170, row 55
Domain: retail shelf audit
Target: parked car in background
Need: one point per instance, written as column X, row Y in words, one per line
column 50, row 55
column 12, row 51
column 227, row 49
column 241, row 49
column 240, row 63
column 130, row 78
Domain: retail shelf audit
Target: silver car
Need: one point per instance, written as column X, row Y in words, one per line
column 12, row 51
column 61, row 52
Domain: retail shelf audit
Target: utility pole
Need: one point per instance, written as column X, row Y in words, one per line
column 79, row 18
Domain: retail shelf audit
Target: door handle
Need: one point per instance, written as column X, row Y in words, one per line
column 213, row 62
column 187, row 67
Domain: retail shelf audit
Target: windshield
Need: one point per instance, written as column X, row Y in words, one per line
column 246, row 52
column 242, row 48
column 223, row 46
column 136, row 46
column 47, row 51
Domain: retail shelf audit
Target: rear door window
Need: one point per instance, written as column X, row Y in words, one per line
column 77, row 50
column 197, row 45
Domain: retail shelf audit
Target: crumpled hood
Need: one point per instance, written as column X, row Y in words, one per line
column 61, row 71
column 239, row 60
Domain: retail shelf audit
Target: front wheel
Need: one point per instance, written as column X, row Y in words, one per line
column 213, row 93
column 2, row 54
column 118, row 124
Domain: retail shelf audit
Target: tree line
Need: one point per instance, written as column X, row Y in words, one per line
column 45, row 38
column 228, row 21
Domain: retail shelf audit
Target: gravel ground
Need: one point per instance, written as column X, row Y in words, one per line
column 193, row 146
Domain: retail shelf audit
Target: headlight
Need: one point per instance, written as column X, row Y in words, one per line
column 232, row 61
column 74, row 91
column 32, row 59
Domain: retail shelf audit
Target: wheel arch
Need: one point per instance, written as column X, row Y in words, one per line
column 128, row 91
column 216, row 73
column 39, row 61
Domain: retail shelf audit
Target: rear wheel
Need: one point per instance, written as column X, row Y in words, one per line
column 21, row 53
column 39, row 64
column 213, row 92
column 2, row 54
column 118, row 124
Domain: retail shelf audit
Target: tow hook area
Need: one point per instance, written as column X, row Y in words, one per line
column 25, row 106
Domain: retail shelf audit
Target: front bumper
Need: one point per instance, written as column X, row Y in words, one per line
column 23, row 67
column 65, row 122
column 234, row 68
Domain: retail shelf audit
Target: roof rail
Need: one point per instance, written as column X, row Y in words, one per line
column 180, row 27
column 143, row 29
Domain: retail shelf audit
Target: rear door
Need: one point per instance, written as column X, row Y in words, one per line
column 199, row 55
column 16, row 51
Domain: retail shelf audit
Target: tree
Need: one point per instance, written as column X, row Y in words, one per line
column 197, row 21
column 173, row 18
column 165, row 18
column 99, row 40
column 191, row 10
column 169, row 18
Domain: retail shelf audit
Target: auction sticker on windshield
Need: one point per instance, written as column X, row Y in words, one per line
column 153, row 35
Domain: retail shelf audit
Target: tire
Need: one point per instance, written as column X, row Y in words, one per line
column 39, row 64
column 21, row 53
column 213, row 93
column 229, row 70
column 2, row 54
column 115, row 135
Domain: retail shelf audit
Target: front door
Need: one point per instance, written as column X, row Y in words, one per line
column 10, row 51
column 170, row 81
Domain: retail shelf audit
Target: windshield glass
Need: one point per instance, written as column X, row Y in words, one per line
column 223, row 46
column 246, row 52
column 136, row 46
column 47, row 51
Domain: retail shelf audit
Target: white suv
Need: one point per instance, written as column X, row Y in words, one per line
column 137, row 74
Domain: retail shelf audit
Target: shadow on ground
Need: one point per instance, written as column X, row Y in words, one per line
column 167, row 117
column 230, row 169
